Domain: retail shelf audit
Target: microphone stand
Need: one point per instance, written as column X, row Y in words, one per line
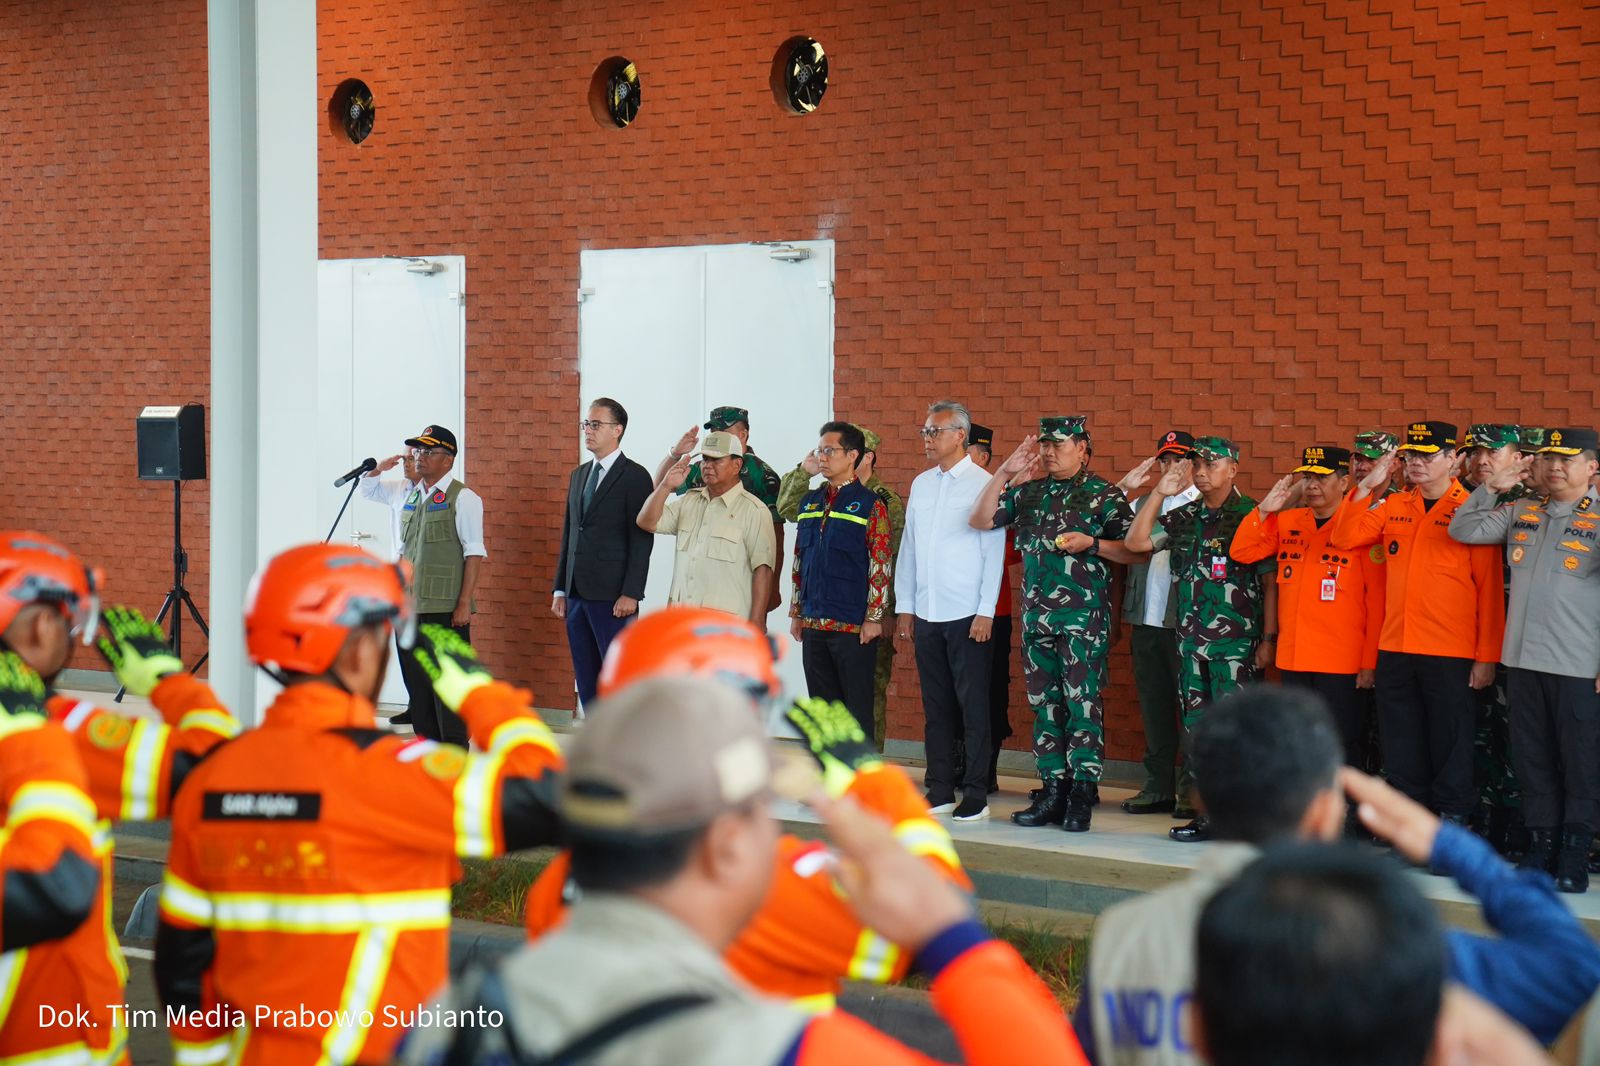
column 347, row 497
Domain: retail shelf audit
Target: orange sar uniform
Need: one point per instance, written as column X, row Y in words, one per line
column 805, row 940
column 58, row 956
column 297, row 887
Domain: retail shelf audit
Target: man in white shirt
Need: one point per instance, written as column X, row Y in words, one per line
column 393, row 495
column 1147, row 605
column 946, row 581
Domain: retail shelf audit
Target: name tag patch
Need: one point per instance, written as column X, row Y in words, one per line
column 262, row 806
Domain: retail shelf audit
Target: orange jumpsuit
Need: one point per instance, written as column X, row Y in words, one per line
column 1322, row 629
column 805, row 939
column 58, row 957
column 304, row 906
column 1444, row 598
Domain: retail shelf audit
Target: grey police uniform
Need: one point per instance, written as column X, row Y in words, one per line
column 1552, row 647
column 1137, row 1005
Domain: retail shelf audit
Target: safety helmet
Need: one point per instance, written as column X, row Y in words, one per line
column 36, row 569
column 303, row 604
column 684, row 641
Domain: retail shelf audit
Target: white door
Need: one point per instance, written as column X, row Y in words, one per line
column 391, row 360
column 673, row 332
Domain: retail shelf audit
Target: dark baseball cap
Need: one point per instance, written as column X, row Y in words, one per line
column 1570, row 441
column 724, row 417
column 1175, row 440
column 1429, row 437
column 982, row 436
column 1324, row 459
column 433, row 437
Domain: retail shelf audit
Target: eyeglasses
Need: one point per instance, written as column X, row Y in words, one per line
column 1422, row 457
column 929, row 432
column 423, row 453
column 828, row 452
column 589, row 423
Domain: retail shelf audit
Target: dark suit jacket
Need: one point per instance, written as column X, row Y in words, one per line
column 604, row 553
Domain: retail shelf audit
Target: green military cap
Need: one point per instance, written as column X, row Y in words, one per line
column 1208, row 448
column 1375, row 443
column 1063, row 427
column 1531, row 439
column 1491, row 435
column 873, row 440
column 725, row 417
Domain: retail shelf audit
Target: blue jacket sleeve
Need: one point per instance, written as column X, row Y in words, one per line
column 1542, row 967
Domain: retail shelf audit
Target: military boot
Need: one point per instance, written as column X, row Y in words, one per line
column 1049, row 808
column 1572, row 865
column 1541, row 853
column 1080, row 807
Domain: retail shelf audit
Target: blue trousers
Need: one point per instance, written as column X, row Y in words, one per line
column 590, row 630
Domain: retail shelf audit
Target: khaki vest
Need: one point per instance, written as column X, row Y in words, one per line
column 1141, row 968
column 429, row 541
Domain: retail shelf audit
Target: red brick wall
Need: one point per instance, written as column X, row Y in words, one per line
column 1277, row 221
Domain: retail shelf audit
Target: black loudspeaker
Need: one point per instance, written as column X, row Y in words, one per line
column 172, row 443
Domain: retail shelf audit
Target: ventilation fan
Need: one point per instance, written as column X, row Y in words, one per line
column 622, row 94
column 358, row 112
column 805, row 75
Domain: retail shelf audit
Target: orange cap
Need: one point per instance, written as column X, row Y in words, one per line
column 304, row 603
column 687, row 641
column 36, row 569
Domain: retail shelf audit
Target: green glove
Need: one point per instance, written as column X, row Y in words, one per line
column 450, row 663
column 835, row 739
column 137, row 650
column 21, row 689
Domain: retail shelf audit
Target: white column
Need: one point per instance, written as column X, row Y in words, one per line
column 263, row 308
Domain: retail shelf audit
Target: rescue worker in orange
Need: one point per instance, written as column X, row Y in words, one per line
column 805, row 940
column 1330, row 604
column 57, row 957
column 1444, row 617
column 303, row 912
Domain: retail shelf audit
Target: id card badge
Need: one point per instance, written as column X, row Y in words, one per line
column 1219, row 567
column 1330, row 586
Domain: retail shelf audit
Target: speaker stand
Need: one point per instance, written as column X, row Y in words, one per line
column 178, row 596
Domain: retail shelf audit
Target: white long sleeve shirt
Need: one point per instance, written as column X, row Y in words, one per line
column 947, row 570
column 393, row 492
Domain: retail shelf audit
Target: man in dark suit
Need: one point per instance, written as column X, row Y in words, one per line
column 605, row 556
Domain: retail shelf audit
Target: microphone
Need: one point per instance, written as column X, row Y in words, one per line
column 366, row 465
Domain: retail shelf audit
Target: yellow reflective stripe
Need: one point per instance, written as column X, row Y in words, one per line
column 119, row 1042
column 200, row 1053
column 474, row 796
column 119, row 963
column 180, row 898
column 73, row 1054
column 11, row 964
column 52, row 799
column 821, row 1003
column 20, row 723
column 369, row 968
column 923, row 836
column 874, row 958
column 141, row 771
column 518, row 731
column 344, row 913
column 835, row 514
column 215, row 721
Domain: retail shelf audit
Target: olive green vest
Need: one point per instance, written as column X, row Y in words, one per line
column 429, row 541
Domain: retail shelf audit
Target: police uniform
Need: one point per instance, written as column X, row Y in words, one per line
column 1552, row 651
column 1066, row 618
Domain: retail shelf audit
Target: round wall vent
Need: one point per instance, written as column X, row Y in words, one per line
column 800, row 75
column 351, row 111
column 614, row 93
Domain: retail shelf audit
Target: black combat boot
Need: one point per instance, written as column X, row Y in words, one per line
column 1196, row 832
column 1049, row 808
column 1080, row 807
column 1541, row 853
column 1572, row 865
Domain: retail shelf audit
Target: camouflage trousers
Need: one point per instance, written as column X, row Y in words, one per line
column 1492, row 774
column 1066, row 676
column 880, row 685
column 1202, row 682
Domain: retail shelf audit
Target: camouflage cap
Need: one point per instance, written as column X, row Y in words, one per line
column 1491, row 435
column 872, row 439
column 1208, row 448
column 1531, row 439
column 723, row 417
column 1375, row 443
column 1063, row 427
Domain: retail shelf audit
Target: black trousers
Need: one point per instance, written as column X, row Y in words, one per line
column 954, row 671
column 1155, row 676
column 999, row 684
column 839, row 667
column 429, row 717
column 1339, row 692
column 1425, row 726
column 1555, row 748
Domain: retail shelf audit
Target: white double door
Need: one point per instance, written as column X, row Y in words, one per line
column 391, row 360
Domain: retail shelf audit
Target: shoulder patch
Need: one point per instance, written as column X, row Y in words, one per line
column 109, row 731
column 445, row 762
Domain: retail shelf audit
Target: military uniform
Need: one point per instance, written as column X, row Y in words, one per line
column 1373, row 444
column 1066, row 608
column 1219, row 600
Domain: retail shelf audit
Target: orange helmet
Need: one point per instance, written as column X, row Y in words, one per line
column 305, row 601
column 36, row 569
column 687, row 641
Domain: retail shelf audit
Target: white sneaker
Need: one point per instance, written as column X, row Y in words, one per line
column 941, row 808
column 971, row 809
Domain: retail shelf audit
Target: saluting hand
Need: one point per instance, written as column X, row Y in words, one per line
column 686, row 442
column 1381, row 472
column 1286, row 493
column 811, row 464
column 1511, row 476
column 677, row 473
column 388, row 464
column 1025, row 455
column 1172, row 482
column 1137, row 477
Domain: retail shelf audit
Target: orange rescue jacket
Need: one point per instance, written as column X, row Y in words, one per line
column 1444, row 597
column 805, row 940
column 306, row 904
column 1317, row 634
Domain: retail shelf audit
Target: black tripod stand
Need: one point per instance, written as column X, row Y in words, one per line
column 178, row 596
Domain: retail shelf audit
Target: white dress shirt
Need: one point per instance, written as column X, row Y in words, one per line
column 1158, row 579
column 392, row 493
column 469, row 509
column 947, row 570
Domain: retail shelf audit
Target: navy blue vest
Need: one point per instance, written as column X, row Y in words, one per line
column 832, row 548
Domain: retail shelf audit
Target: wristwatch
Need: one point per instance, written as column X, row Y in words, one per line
column 1094, row 549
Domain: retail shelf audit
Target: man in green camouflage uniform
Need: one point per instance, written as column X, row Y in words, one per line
column 1069, row 528
column 1371, row 446
column 1488, row 448
column 1221, row 603
column 792, row 488
column 759, row 479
